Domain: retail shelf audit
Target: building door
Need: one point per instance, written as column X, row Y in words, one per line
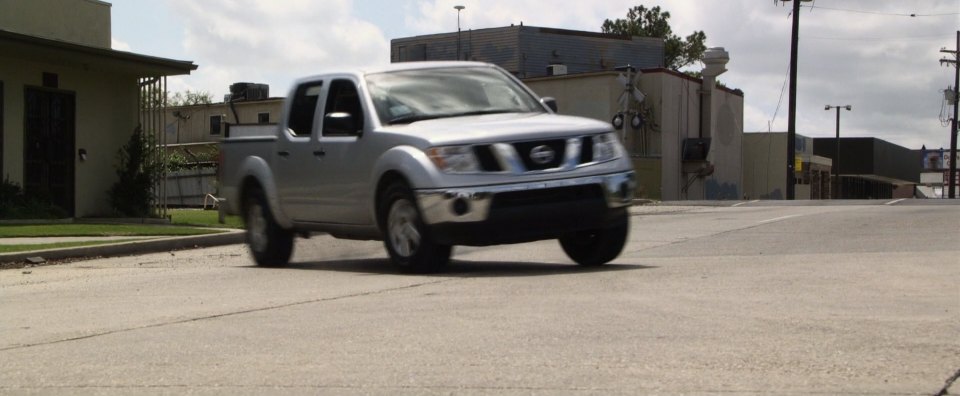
column 49, row 145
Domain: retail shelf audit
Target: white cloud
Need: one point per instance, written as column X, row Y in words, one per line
column 271, row 42
column 119, row 45
column 884, row 65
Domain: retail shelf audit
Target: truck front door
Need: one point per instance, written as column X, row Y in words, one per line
column 298, row 154
column 343, row 195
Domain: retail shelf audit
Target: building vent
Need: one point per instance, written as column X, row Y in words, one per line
column 243, row 91
column 556, row 70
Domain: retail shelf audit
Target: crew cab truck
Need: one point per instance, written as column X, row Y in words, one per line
column 425, row 156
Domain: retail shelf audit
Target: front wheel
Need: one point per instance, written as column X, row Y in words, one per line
column 270, row 244
column 406, row 238
column 596, row 247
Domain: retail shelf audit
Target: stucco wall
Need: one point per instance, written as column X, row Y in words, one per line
column 84, row 22
column 677, row 108
column 590, row 95
column 674, row 103
column 106, row 115
column 764, row 173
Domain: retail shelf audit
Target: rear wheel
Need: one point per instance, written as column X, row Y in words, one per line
column 406, row 238
column 270, row 244
column 596, row 247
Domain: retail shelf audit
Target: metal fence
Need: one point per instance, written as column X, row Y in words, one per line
column 191, row 187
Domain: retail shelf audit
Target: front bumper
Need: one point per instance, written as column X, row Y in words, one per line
column 525, row 211
column 473, row 204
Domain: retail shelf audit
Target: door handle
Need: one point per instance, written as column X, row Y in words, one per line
column 284, row 154
column 319, row 153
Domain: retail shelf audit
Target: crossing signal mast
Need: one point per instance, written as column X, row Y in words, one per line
column 952, row 175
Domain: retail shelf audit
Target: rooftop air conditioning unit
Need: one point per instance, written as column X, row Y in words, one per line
column 556, row 70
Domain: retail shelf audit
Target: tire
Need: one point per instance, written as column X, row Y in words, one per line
column 270, row 244
column 596, row 247
column 405, row 237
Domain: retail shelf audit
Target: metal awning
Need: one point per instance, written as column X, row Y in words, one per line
column 89, row 58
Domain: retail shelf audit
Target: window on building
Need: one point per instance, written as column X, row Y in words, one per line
column 216, row 123
column 263, row 118
column 304, row 108
column 402, row 53
column 418, row 53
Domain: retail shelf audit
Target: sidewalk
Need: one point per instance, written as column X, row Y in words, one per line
column 142, row 244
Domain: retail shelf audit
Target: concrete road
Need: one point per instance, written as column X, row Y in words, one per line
column 754, row 299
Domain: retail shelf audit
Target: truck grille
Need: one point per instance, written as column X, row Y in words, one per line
column 516, row 199
column 534, row 155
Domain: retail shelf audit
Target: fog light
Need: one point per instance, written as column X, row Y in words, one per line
column 460, row 207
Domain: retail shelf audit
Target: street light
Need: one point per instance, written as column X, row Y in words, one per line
column 836, row 159
column 458, row 8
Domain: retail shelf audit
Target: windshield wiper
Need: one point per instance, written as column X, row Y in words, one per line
column 409, row 118
column 480, row 112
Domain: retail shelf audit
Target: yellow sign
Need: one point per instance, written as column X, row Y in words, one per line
column 797, row 164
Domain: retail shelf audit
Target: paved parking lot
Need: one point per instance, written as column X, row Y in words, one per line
column 752, row 299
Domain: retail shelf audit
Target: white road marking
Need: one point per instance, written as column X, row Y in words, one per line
column 742, row 203
column 777, row 219
column 894, row 202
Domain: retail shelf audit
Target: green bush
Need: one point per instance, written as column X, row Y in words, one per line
column 137, row 173
column 17, row 205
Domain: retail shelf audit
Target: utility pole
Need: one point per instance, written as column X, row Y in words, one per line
column 836, row 160
column 792, row 112
column 953, row 124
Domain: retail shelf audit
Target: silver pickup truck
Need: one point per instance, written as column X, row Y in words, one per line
column 425, row 156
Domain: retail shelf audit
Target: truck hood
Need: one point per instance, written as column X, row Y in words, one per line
column 494, row 128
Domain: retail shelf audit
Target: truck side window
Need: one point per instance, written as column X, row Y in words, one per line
column 304, row 107
column 343, row 98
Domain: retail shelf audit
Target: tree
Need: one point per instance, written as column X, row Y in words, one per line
column 652, row 22
column 189, row 98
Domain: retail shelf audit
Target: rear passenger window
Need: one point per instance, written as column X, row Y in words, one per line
column 303, row 108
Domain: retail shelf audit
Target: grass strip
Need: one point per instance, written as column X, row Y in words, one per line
column 84, row 230
column 205, row 218
column 59, row 245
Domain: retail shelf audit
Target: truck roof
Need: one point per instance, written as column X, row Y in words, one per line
column 396, row 67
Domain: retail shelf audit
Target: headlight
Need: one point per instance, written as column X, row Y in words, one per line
column 454, row 159
column 606, row 147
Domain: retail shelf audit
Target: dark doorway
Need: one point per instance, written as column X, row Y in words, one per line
column 49, row 127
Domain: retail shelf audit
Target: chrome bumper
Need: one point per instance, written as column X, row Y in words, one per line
column 472, row 204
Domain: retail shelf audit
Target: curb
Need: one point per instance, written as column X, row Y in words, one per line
column 161, row 244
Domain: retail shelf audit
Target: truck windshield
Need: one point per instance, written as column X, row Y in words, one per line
column 402, row 97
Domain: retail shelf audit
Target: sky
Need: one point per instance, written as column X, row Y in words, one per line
column 869, row 54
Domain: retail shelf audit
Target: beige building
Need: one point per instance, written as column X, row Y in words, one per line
column 765, row 168
column 206, row 123
column 68, row 102
column 678, row 115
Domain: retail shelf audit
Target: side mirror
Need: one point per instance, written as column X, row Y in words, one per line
column 549, row 102
column 340, row 124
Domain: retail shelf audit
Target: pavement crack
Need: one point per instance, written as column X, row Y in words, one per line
column 946, row 386
column 228, row 314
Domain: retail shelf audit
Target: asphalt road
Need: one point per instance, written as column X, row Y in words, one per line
column 753, row 299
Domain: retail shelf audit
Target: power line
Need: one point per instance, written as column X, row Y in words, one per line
column 879, row 38
column 911, row 15
column 783, row 88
